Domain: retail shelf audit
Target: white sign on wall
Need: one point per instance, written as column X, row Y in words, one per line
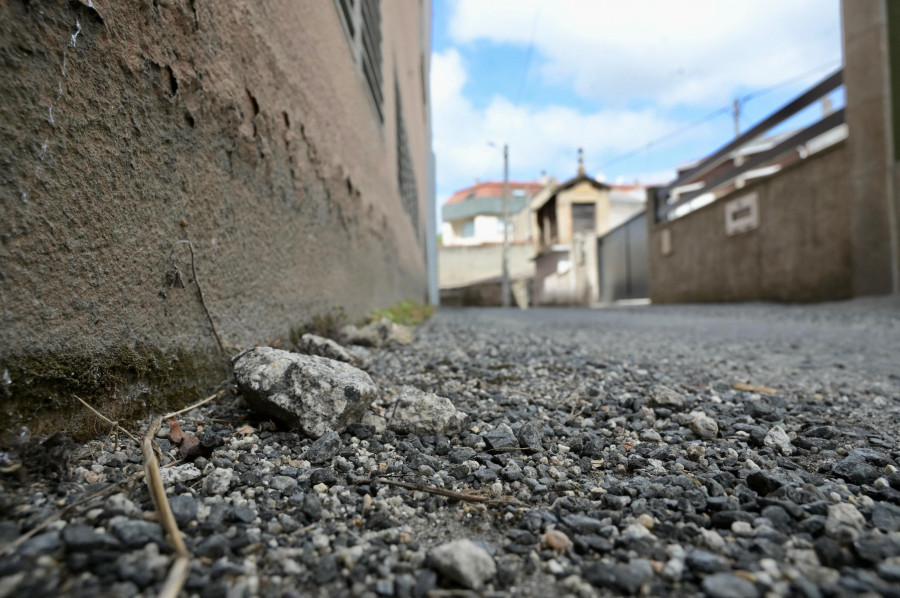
column 742, row 214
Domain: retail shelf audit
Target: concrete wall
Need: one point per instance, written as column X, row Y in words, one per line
column 243, row 127
column 463, row 265
column 801, row 250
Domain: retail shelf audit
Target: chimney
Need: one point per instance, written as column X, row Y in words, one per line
column 580, row 162
column 544, row 178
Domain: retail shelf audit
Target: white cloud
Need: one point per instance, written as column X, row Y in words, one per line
column 672, row 52
column 544, row 138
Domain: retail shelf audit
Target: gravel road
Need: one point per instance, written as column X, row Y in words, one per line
column 606, row 452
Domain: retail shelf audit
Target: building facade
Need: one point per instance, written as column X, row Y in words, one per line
column 471, row 250
column 567, row 218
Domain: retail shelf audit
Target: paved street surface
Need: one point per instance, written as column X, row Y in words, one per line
column 740, row 451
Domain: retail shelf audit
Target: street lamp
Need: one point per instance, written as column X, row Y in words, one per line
column 504, row 291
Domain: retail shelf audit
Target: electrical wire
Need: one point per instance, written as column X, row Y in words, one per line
column 715, row 114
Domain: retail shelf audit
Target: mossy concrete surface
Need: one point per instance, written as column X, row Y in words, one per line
column 124, row 383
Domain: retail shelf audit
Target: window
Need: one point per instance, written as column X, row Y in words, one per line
column 583, row 218
column 518, row 193
column 467, row 230
column 362, row 24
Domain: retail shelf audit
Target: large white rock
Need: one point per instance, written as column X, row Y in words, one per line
column 311, row 393
column 424, row 413
column 463, row 562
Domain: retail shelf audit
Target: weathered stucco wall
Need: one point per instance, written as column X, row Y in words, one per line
column 799, row 252
column 242, row 127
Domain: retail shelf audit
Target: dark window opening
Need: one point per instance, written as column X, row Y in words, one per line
column 583, row 217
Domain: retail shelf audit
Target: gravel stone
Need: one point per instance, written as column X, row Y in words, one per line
column 726, row 585
column 778, row 439
column 284, row 484
column 180, row 474
column 136, row 534
column 327, row 569
column 529, row 437
column 45, row 543
column 620, row 578
column 324, row 449
column 423, row 413
column 765, row 482
column 501, row 437
column 463, row 562
column 218, row 481
column 184, row 508
column 214, row 546
column 704, row 426
column 662, row 396
column 844, row 522
column 79, row 537
column 855, row 471
column 886, row 517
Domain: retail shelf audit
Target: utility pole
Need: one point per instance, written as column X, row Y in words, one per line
column 505, row 288
column 738, row 158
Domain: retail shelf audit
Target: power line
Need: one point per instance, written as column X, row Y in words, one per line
column 715, row 114
column 667, row 136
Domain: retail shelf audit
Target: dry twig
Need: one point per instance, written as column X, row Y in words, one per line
column 181, row 567
column 754, row 388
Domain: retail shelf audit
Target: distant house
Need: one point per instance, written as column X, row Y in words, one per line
column 474, row 215
column 470, row 258
column 567, row 218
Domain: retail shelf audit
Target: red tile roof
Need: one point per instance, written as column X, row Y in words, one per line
column 493, row 189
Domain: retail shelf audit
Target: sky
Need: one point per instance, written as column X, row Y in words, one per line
column 616, row 78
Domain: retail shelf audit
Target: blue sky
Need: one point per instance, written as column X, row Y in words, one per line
column 549, row 76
